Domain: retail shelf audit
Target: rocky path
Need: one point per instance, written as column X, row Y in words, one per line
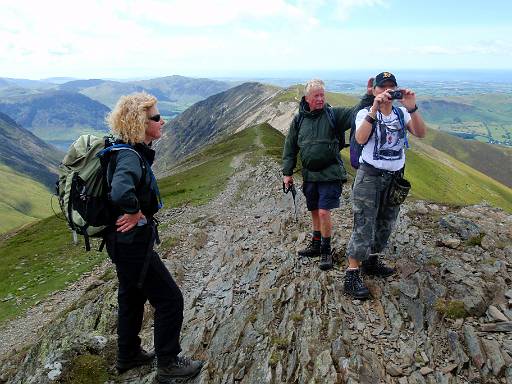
column 259, row 314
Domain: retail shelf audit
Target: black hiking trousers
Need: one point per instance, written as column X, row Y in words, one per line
column 161, row 291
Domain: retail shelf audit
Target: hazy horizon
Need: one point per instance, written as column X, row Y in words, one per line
column 470, row 75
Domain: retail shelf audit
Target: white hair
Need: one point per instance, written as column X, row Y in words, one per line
column 313, row 84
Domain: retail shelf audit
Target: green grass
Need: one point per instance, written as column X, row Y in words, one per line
column 205, row 174
column 438, row 177
column 22, row 199
column 451, row 309
column 487, row 158
column 86, row 369
column 295, row 93
column 37, row 260
column 475, row 240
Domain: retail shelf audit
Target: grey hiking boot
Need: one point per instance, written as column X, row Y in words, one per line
column 312, row 250
column 140, row 358
column 373, row 266
column 354, row 286
column 325, row 260
column 180, row 368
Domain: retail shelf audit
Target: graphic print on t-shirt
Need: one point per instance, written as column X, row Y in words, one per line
column 389, row 140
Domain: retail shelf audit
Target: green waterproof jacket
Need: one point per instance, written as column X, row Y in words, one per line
column 318, row 143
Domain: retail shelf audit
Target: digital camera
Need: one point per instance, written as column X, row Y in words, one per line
column 396, row 95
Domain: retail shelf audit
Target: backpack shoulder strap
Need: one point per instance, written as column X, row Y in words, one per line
column 330, row 116
column 353, row 131
column 116, row 148
column 298, row 121
column 340, row 136
column 400, row 115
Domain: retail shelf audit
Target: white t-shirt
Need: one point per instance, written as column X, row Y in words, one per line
column 385, row 147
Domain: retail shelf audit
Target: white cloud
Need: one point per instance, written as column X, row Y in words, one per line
column 344, row 7
column 186, row 13
column 499, row 47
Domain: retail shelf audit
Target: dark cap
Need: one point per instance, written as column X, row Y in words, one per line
column 383, row 77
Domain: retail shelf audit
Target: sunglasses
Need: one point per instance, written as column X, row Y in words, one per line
column 156, row 118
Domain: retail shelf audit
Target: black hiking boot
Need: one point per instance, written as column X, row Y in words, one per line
column 312, row 250
column 375, row 267
column 139, row 359
column 180, row 368
column 325, row 260
column 354, row 286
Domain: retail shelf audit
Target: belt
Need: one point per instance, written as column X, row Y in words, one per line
column 372, row 171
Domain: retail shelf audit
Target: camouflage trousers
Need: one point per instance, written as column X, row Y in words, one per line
column 373, row 219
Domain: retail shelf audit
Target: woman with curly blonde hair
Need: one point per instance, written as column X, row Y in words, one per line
column 142, row 275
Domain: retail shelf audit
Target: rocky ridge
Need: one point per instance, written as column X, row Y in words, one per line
column 259, row 314
column 220, row 115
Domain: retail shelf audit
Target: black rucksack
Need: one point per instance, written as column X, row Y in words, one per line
column 356, row 148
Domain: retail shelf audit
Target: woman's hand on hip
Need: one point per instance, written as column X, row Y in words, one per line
column 128, row 221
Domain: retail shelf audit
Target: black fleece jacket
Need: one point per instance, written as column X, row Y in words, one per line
column 132, row 182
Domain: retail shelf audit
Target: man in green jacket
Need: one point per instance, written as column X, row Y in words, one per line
column 317, row 134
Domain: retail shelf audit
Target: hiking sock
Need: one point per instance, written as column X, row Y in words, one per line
column 325, row 245
column 316, row 238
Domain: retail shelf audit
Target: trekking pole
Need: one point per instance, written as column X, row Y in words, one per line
column 291, row 188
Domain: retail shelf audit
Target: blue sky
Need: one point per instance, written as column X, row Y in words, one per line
column 149, row 38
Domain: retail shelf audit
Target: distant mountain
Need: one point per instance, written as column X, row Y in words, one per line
column 174, row 88
column 15, row 91
column 218, row 115
column 58, row 80
column 175, row 93
column 24, row 83
column 57, row 116
column 108, row 92
column 78, row 85
column 27, row 154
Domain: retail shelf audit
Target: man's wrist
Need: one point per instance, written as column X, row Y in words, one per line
column 413, row 109
column 369, row 118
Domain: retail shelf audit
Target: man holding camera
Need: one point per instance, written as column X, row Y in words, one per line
column 317, row 134
column 382, row 130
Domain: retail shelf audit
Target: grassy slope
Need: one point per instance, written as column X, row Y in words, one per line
column 22, row 199
column 203, row 175
column 37, row 260
column 438, row 177
column 295, row 93
column 487, row 158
